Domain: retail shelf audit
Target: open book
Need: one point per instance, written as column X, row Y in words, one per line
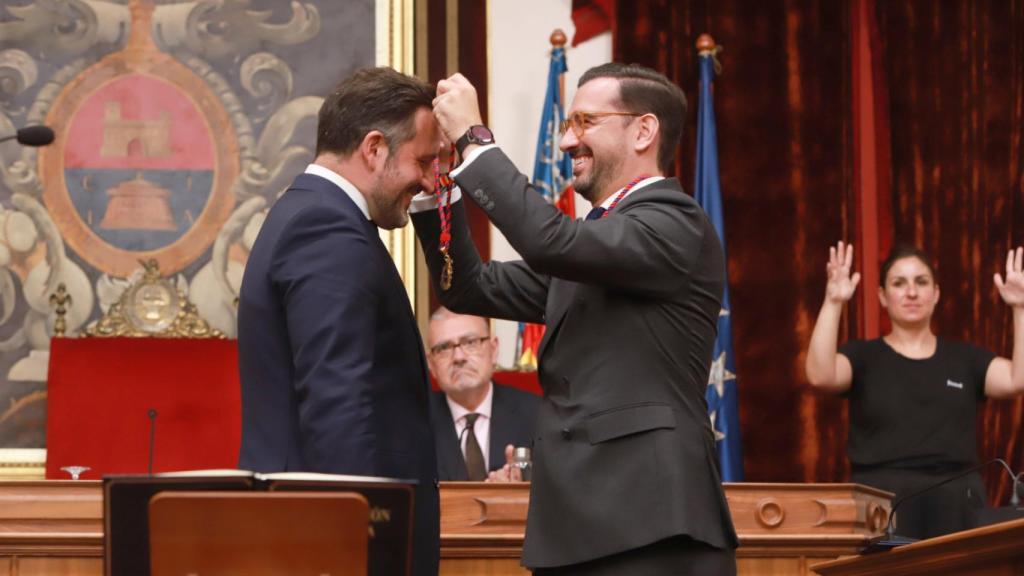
column 126, row 511
column 274, row 476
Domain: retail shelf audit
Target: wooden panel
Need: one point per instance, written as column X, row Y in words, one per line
column 987, row 551
column 50, row 508
column 811, row 509
column 34, row 566
column 478, row 566
column 56, row 526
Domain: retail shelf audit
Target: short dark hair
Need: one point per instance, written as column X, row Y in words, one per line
column 371, row 99
column 901, row 251
column 642, row 91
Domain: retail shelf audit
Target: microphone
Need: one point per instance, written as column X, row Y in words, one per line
column 32, row 136
column 890, row 540
column 152, row 437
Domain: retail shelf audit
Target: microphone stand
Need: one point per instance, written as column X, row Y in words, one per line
column 152, row 437
column 890, row 540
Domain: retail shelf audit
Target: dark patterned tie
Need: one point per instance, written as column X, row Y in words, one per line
column 595, row 213
column 475, row 468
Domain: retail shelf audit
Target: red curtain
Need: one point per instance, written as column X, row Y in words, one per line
column 956, row 88
column 782, row 104
column 947, row 99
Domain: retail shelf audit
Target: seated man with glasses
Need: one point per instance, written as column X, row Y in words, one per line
column 476, row 422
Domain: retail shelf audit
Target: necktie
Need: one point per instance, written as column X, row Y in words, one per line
column 595, row 213
column 475, row 467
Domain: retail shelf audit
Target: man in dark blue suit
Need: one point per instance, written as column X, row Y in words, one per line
column 462, row 357
column 334, row 378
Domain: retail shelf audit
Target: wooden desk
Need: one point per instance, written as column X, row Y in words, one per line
column 55, row 527
column 996, row 550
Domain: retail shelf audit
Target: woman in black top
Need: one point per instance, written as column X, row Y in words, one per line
column 914, row 396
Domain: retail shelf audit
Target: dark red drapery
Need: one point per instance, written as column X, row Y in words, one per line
column 947, row 102
column 956, row 91
column 782, row 105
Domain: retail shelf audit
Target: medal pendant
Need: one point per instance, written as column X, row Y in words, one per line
column 447, row 272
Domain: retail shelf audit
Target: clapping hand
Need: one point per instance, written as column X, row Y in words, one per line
column 508, row 472
column 1012, row 290
column 840, row 285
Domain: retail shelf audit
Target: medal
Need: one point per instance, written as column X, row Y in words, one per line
column 447, row 271
column 443, row 185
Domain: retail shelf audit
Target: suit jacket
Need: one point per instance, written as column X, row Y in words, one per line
column 513, row 413
column 332, row 368
column 624, row 453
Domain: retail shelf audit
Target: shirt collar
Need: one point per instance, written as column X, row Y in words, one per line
column 484, row 409
column 608, row 201
column 347, row 187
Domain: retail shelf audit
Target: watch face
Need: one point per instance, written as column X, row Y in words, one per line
column 480, row 135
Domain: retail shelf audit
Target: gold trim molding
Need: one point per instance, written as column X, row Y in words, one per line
column 396, row 20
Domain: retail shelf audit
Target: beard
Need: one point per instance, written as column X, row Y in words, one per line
column 602, row 172
column 388, row 202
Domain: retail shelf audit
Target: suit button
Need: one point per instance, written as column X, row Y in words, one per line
column 566, row 433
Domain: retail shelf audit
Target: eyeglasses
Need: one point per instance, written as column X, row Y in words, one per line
column 468, row 345
column 580, row 121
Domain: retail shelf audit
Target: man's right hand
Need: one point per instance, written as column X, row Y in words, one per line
column 508, row 472
column 456, row 107
column 841, row 285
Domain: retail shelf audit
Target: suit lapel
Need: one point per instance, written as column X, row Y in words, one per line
column 560, row 297
column 399, row 295
column 503, row 418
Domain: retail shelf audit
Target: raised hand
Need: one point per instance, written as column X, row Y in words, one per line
column 456, row 107
column 1012, row 290
column 840, row 285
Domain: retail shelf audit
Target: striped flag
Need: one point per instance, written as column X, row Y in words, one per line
column 552, row 177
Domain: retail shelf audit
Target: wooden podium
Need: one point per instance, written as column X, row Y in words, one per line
column 783, row 528
column 996, row 550
column 55, row 527
column 258, row 533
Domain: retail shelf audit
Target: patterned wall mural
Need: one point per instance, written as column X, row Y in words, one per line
column 178, row 124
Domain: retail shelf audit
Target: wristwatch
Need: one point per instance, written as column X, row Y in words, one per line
column 478, row 134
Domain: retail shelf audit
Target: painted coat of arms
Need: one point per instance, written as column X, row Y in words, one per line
column 178, row 122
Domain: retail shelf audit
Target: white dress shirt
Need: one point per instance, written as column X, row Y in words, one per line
column 426, row 200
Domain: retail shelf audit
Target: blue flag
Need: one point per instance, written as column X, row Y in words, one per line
column 552, row 177
column 721, row 391
column 552, row 169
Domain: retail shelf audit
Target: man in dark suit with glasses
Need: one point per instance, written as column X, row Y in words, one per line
column 477, row 422
column 624, row 477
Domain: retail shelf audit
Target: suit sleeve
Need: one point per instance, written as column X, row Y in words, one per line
column 648, row 248
column 320, row 268
column 508, row 290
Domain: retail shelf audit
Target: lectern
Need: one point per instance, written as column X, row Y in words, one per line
column 258, row 533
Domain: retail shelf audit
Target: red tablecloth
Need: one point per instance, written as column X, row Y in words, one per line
column 100, row 391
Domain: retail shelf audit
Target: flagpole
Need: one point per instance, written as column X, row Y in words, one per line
column 558, row 40
column 721, row 391
column 705, row 44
